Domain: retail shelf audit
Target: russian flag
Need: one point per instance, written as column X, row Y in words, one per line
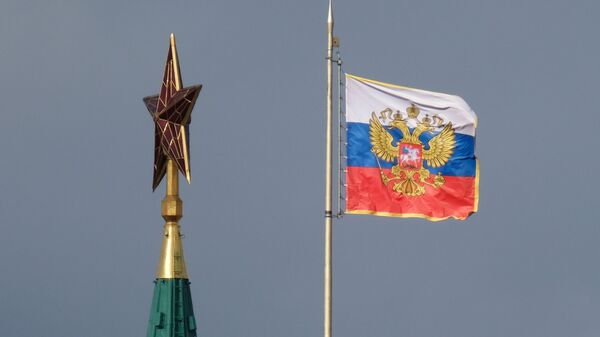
column 411, row 152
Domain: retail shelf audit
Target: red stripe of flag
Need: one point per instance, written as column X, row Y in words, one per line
column 366, row 194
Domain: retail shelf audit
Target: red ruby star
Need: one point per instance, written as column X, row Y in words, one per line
column 171, row 111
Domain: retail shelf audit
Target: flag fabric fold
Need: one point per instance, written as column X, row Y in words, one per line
column 411, row 152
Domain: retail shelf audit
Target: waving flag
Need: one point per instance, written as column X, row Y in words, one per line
column 411, row 152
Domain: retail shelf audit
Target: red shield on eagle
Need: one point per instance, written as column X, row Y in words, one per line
column 411, row 156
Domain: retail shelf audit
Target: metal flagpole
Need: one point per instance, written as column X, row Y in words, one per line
column 341, row 129
column 327, row 277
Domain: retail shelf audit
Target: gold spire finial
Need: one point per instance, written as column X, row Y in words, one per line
column 172, row 263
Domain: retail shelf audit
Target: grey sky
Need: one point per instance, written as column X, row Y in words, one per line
column 81, row 228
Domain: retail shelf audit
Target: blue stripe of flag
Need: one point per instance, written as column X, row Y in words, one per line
column 462, row 163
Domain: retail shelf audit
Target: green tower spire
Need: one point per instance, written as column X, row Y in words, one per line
column 172, row 313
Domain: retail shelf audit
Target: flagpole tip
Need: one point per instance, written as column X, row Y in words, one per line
column 330, row 13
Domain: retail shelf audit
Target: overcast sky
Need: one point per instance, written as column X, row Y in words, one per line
column 81, row 228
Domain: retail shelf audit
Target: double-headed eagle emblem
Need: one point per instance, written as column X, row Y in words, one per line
column 409, row 177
